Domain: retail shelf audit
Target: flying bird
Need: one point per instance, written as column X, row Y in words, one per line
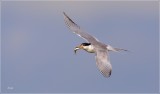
column 93, row 45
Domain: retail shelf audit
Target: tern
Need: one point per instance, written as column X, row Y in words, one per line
column 93, row 45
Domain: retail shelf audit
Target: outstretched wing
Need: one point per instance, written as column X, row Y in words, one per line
column 76, row 29
column 103, row 63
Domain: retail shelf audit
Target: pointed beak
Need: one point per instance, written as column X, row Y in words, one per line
column 75, row 50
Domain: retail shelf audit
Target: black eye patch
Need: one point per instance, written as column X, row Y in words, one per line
column 86, row 44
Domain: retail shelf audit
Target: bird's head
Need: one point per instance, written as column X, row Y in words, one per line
column 82, row 46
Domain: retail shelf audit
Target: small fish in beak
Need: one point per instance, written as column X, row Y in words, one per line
column 75, row 50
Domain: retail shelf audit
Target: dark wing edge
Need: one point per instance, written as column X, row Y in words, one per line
column 103, row 63
column 76, row 29
column 69, row 22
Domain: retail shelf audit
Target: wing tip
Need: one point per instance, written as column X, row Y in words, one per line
column 107, row 75
column 68, row 20
column 64, row 13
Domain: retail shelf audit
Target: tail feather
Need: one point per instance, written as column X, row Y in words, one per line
column 110, row 48
column 119, row 49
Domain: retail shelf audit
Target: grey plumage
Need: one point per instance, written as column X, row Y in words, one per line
column 101, row 50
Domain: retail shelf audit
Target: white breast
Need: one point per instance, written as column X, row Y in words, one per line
column 89, row 48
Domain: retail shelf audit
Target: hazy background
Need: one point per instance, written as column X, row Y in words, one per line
column 37, row 47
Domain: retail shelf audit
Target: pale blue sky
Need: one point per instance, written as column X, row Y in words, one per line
column 37, row 47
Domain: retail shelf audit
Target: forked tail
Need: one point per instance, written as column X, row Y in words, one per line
column 110, row 48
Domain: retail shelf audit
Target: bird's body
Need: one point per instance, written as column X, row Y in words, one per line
column 93, row 46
